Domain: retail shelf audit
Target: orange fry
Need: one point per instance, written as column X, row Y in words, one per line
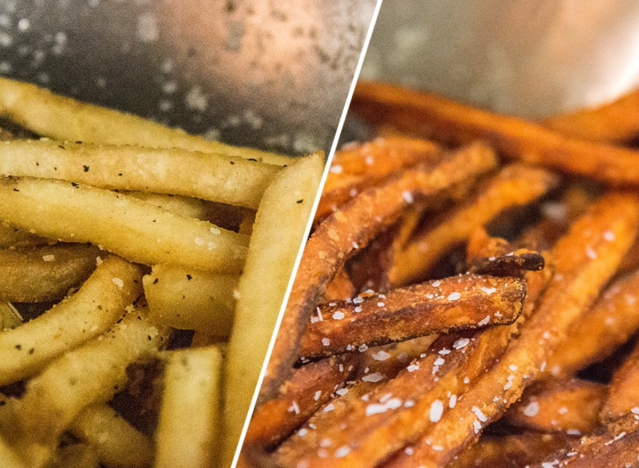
column 456, row 303
column 584, row 260
column 623, row 396
column 309, row 388
column 359, row 166
column 610, row 323
column 351, row 229
column 570, row 406
column 616, row 122
column 433, row 116
column 340, row 289
column 515, row 185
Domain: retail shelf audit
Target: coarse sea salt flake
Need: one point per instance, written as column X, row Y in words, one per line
column 436, row 411
column 118, row 282
column 338, row 315
column 454, row 296
column 48, row 258
column 374, row 377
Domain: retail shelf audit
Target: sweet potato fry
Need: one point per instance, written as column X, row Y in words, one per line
column 351, row 229
column 358, row 167
column 616, row 122
column 432, row 116
column 440, row 306
column 308, row 389
column 585, row 259
column 623, row 395
column 511, row 451
column 340, row 289
column 610, row 323
column 515, row 185
column 570, row 406
column 615, row 445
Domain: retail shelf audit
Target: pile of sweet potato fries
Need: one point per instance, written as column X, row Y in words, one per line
column 468, row 296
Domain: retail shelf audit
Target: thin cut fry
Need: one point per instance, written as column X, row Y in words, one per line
column 584, row 260
column 44, row 274
column 440, row 306
column 340, row 289
column 616, row 122
column 98, row 304
column 308, row 389
column 278, row 235
column 515, row 185
column 61, row 118
column 622, row 395
column 570, row 406
column 121, row 224
column 212, row 177
column 433, row 116
column 610, row 323
column 351, row 229
column 116, row 442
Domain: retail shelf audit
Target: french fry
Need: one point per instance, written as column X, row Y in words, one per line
column 93, row 309
column 615, row 122
column 278, row 234
column 188, row 299
column 223, row 179
column 340, row 289
column 511, row 451
column 189, row 426
column 610, row 323
column 9, row 457
column 121, row 224
column 584, row 260
column 89, row 374
column 10, row 317
column 570, row 406
column 439, row 306
column 61, row 118
column 116, row 442
column 357, row 167
column 308, row 389
column 44, row 274
column 351, row 229
column 12, row 237
column 75, row 456
column 515, row 185
column 432, row 116
column 622, row 396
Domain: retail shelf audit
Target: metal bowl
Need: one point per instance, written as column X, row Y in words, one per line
column 267, row 74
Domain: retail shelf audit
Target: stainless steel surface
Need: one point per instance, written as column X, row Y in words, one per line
column 526, row 57
column 270, row 73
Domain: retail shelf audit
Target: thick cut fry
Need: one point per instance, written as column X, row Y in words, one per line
column 212, row 177
column 124, row 225
column 440, row 306
column 615, row 445
column 61, row 118
column 9, row 457
column 12, row 237
column 623, row 395
column 433, row 116
column 610, row 323
column 515, row 185
column 357, row 168
column 188, row 299
column 615, row 122
column 347, row 231
column 570, row 406
column 308, row 389
column 90, row 374
column 511, row 451
column 189, row 427
column 277, row 237
column 99, row 303
column 584, row 261
column 75, row 456
column 44, row 274
column 117, row 444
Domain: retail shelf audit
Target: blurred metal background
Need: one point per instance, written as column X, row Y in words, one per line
column 273, row 74
column 530, row 58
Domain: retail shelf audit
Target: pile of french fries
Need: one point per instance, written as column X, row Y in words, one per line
column 467, row 298
column 158, row 262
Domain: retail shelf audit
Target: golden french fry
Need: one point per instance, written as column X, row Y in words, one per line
column 189, row 299
column 189, row 427
column 212, row 177
column 278, row 234
column 124, row 225
column 44, row 274
column 62, row 118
